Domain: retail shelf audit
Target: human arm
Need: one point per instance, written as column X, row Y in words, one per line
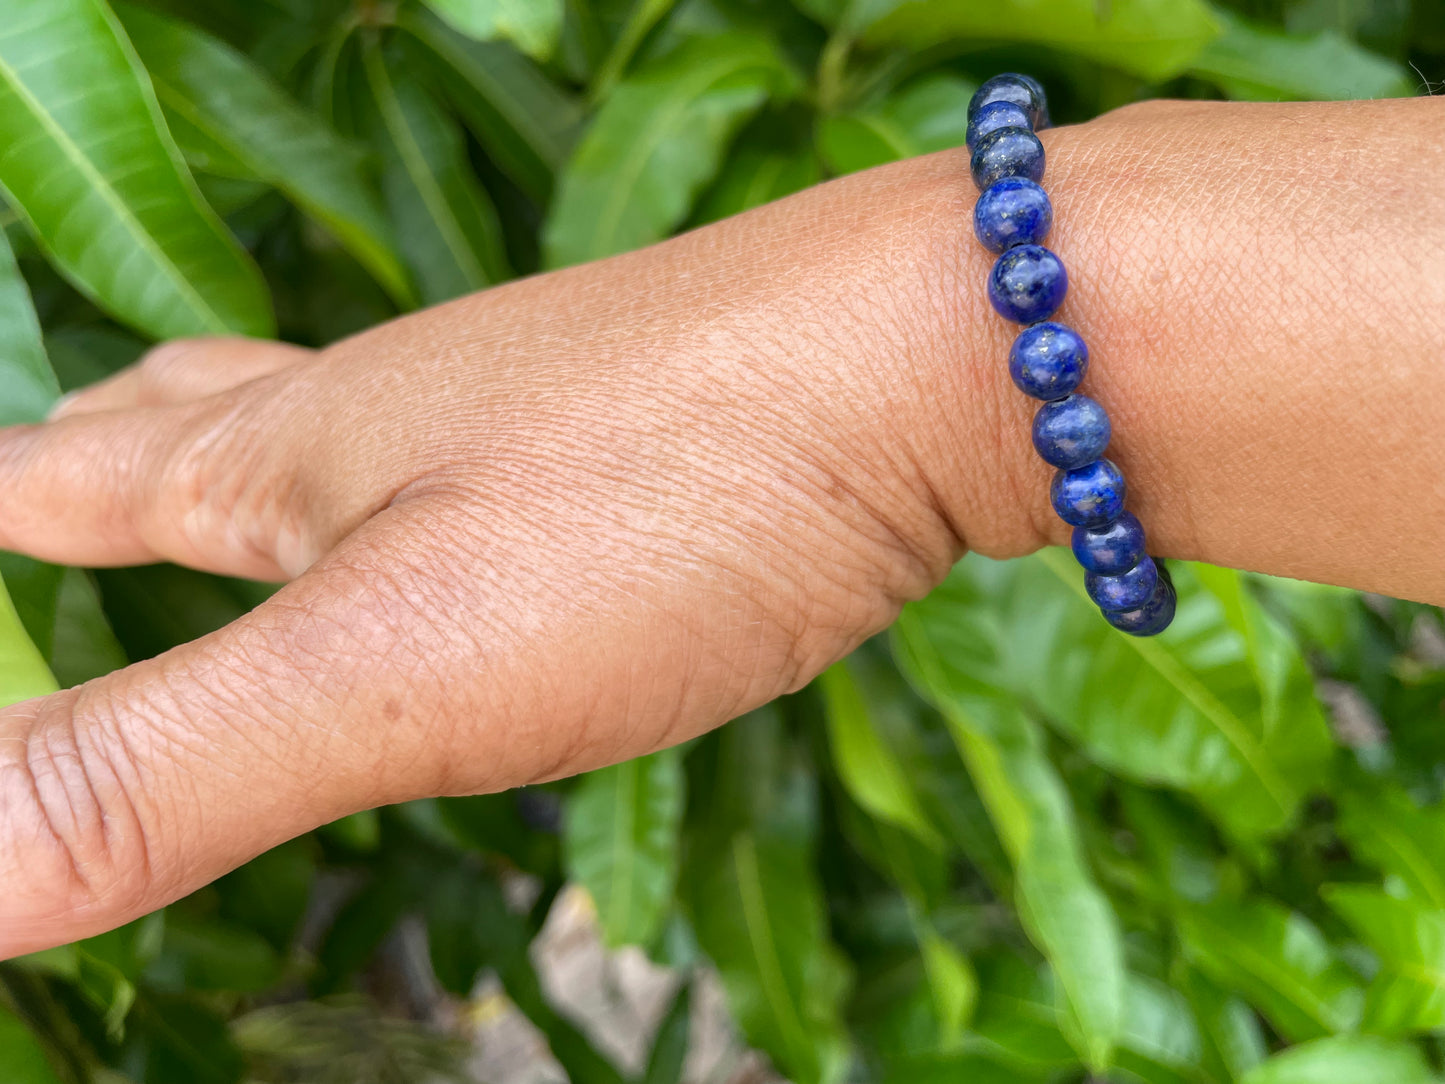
column 585, row 515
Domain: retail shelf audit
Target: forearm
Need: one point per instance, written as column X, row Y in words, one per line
column 1263, row 292
column 1262, row 288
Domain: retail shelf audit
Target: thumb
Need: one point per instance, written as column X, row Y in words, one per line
column 124, row 794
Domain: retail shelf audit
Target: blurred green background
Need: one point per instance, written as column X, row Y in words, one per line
column 1000, row 844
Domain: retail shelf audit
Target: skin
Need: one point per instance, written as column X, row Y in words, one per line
column 582, row 516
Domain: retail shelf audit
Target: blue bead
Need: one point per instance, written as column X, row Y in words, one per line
column 1048, row 360
column 1022, row 90
column 1126, row 591
column 1027, row 284
column 1042, row 120
column 1071, row 432
column 1115, row 549
column 1153, row 617
column 992, row 117
column 1007, row 152
column 1013, row 211
column 1091, row 496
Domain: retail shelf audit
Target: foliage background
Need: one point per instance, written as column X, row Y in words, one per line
column 999, row 844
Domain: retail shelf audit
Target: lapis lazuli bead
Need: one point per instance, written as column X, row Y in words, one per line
column 1071, row 432
column 1042, row 119
column 1153, row 617
column 1013, row 211
column 1113, row 550
column 1048, row 360
column 1021, row 90
column 1089, row 496
column 1027, row 284
column 1007, row 152
column 992, row 117
column 1126, row 591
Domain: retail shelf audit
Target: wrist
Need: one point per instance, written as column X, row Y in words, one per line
column 1262, row 307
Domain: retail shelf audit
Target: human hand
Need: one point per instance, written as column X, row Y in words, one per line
column 582, row 516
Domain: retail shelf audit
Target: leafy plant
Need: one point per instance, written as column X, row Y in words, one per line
column 998, row 844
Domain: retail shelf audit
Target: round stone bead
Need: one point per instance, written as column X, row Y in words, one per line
column 1153, row 617
column 1071, row 432
column 1089, row 496
column 1113, row 550
column 1027, row 284
column 1007, row 152
column 1048, row 360
column 1043, row 120
column 1126, row 591
column 1021, row 90
column 992, row 117
column 1013, row 211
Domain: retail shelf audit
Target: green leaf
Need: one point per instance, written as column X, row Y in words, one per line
column 621, row 843
column 223, row 97
column 1384, row 827
column 758, row 913
column 1178, row 845
column 1018, row 1014
column 23, row 673
column 22, row 1059
column 154, row 608
column 35, row 591
column 103, row 969
column 1161, row 1042
column 1066, row 914
column 28, row 388
column 83, row 354
column 645, row 15
column 923, row 741
column 270, row 893
column 928, row 114
column 447, row 226
column 670, row 1046
column 526, row 123
column 868, row 769
column 188, row 1043
column 1345, row 1059
column 532, row 25
column 357, row 832
column 756, row 175
column 656, row 143
column 1152, row 38
column 1325, row 619
column 1232, row 1033
column 89, row 164
column 210, row 954
column 951, row 981
column 752, row 894
column 1267, row 65
column 1222, row 709
column 1279, row 961
column 1408, row 992
column 85, row 646
column 470, row 925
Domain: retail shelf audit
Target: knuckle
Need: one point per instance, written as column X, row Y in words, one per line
column 72, row 841
column 164, row 364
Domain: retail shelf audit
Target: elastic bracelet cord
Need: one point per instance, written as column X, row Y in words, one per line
column 1048, row 360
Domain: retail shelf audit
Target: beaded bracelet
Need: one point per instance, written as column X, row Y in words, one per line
column 1048, row 360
